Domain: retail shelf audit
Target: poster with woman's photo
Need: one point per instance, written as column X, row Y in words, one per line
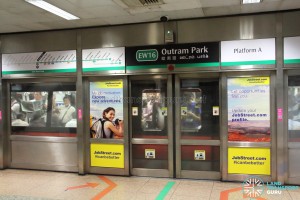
column 106, row 109
column 249, row 109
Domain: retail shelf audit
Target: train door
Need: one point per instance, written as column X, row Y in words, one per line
column 181, row 144
column 151, row 126
column 197, row 119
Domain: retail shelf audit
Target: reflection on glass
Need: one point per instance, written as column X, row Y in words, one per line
column 152, row 118
column 191, row 109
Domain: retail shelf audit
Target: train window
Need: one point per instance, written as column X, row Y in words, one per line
column 191, row 109
column 43, row 110
column 197, row 99
column 148, row 98
column 293, row 109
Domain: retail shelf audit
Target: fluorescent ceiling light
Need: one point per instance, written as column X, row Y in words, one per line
column 251, row 1
column 53, row 9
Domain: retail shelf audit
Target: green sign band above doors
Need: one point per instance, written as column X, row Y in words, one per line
column 259, row 62
column 291, row 61
column 189, row 65
column 39, row 71
column 103, row 69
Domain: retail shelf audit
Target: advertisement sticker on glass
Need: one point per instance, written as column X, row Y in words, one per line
column 249, row 120
column 106, row 109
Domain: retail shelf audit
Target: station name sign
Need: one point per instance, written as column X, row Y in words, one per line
column 291, row 50
column 173, row 54
column 248, row 52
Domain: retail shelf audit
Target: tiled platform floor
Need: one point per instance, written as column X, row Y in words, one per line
column 43, row 185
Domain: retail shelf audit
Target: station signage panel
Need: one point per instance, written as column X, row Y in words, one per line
column 110, row 60
column 175, row 57
column 39, row 63
column 248, row 53
column 291, row 50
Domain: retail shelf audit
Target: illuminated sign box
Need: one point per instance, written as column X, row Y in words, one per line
column 39, row 63
column 291, row 51
column 248, row 53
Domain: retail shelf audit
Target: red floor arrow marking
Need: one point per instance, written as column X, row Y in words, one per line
column 92, row 185
column 111, row 186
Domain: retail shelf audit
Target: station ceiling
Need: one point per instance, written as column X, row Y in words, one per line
column 20, row 16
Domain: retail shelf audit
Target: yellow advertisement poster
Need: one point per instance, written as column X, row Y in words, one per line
column 107, row 155
column 249, row 161
column 111, row 84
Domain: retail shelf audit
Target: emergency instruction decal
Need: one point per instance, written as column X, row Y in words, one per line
column 199, row 154
column 39, row 62
column 150, row 153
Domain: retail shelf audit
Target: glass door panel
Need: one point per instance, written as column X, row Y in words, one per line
column 198, row 128
column 151, row 117
column 149, row 103
column 199, row 100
